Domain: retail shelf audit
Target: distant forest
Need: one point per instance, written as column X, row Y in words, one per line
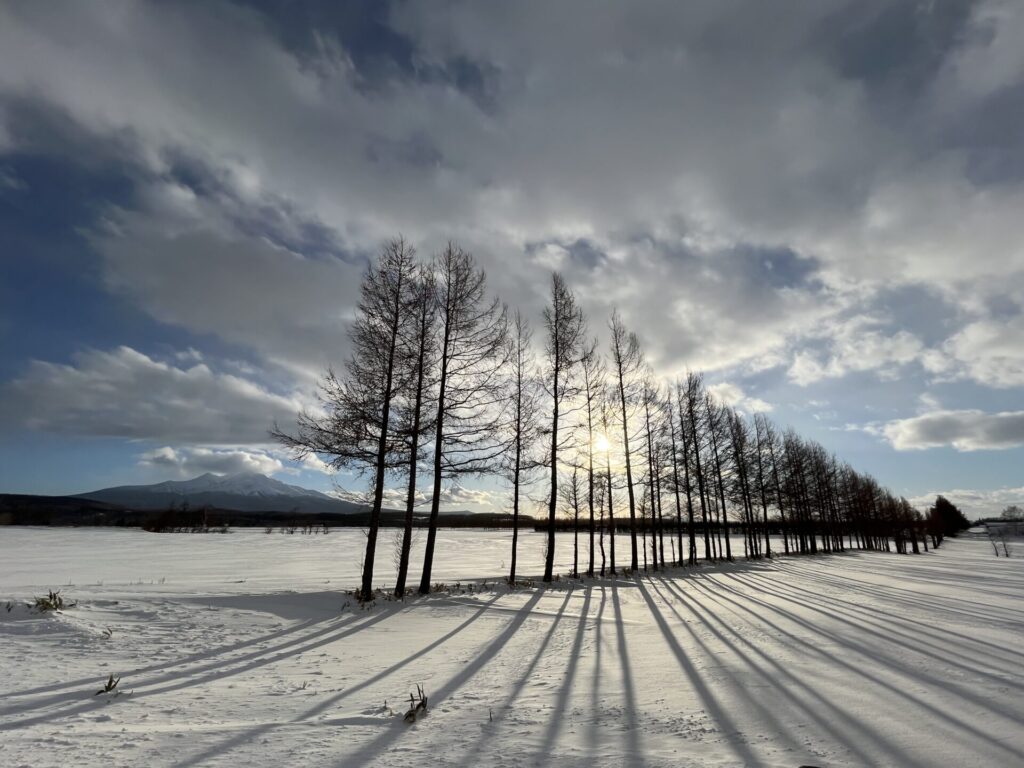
column 18, row 509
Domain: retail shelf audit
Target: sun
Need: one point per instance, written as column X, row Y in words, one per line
column 601, row 443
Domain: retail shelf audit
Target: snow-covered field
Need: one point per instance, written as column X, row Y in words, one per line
column 249, row 560
column 238, row 650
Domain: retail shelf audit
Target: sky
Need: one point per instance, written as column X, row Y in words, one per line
column 818, row 203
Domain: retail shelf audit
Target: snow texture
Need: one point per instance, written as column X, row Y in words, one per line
column 244, row 650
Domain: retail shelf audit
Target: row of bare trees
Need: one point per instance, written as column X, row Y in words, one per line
column 423, row 385
column 441, row 379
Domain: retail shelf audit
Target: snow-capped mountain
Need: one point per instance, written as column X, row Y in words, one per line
column 244, row 483
column 245, row 491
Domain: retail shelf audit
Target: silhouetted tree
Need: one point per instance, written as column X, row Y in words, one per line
column 627, row 361
column 762, row 459
column 594, row 388
column 609, row 487
column 354, row 430
column 716, row 424
column 653, row 422
column 571, row 494
column 522, row 424
column 472, row 331
column 673, row 431
column 420, row 349
column 693, row 395
column 565, row 326
column 950, row 520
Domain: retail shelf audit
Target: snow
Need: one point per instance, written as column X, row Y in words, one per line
column 242, row 649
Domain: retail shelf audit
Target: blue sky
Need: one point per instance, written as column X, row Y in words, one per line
column 817, row 204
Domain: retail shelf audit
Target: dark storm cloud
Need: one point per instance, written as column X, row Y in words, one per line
column 895, row 49
column 124, row 393
column 969, row 430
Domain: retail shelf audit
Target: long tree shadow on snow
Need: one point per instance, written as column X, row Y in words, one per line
column 894, row 665
column 879, row 671
column 559, row 713
column 769, row 675
column 958, row 608
column 190, row 677
column 472, row 757
column 213, row 653
column 628, row 686
column 942, row 643
column 259, row 730
column 710, row 701
column 486, row 654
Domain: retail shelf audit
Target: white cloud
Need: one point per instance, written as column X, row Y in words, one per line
column 454, row 497
column 314, row 463
column 856, row 345
column 991, row 351
column 733, row 395
column 125, row 393
column 189, row 462
column 965, row 430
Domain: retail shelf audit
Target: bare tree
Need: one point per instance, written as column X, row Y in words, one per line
column 739, row 442
column 420, row 348
column 1012, row 513
column 649, row 399
column 606, row 421
column 593, row 390
column 677, row 482
column 716, row 423
column 565, row 326
column 692, row 395
column 771, row 440
column 686, row 442
column 601, row 489
column 627, row 361
column 354, row 430
column 522, row 423
column 644, row 509
column 571, row 496
column 472, row 330
column 761, row 433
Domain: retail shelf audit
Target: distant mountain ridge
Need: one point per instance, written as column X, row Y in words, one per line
column 245, row 483
column 243, row 491
column 245, row 499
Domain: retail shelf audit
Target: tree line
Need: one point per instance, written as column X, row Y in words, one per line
column 442, row 379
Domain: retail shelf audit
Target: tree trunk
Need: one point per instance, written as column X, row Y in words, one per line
column 611, row 511
column 366, row 591
column 675, row 483
column 549, row 558
column 721, row 487
column 410, row 499
column 700, row 476
column 634, row 559
column 435, row 502
column 515, row 509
